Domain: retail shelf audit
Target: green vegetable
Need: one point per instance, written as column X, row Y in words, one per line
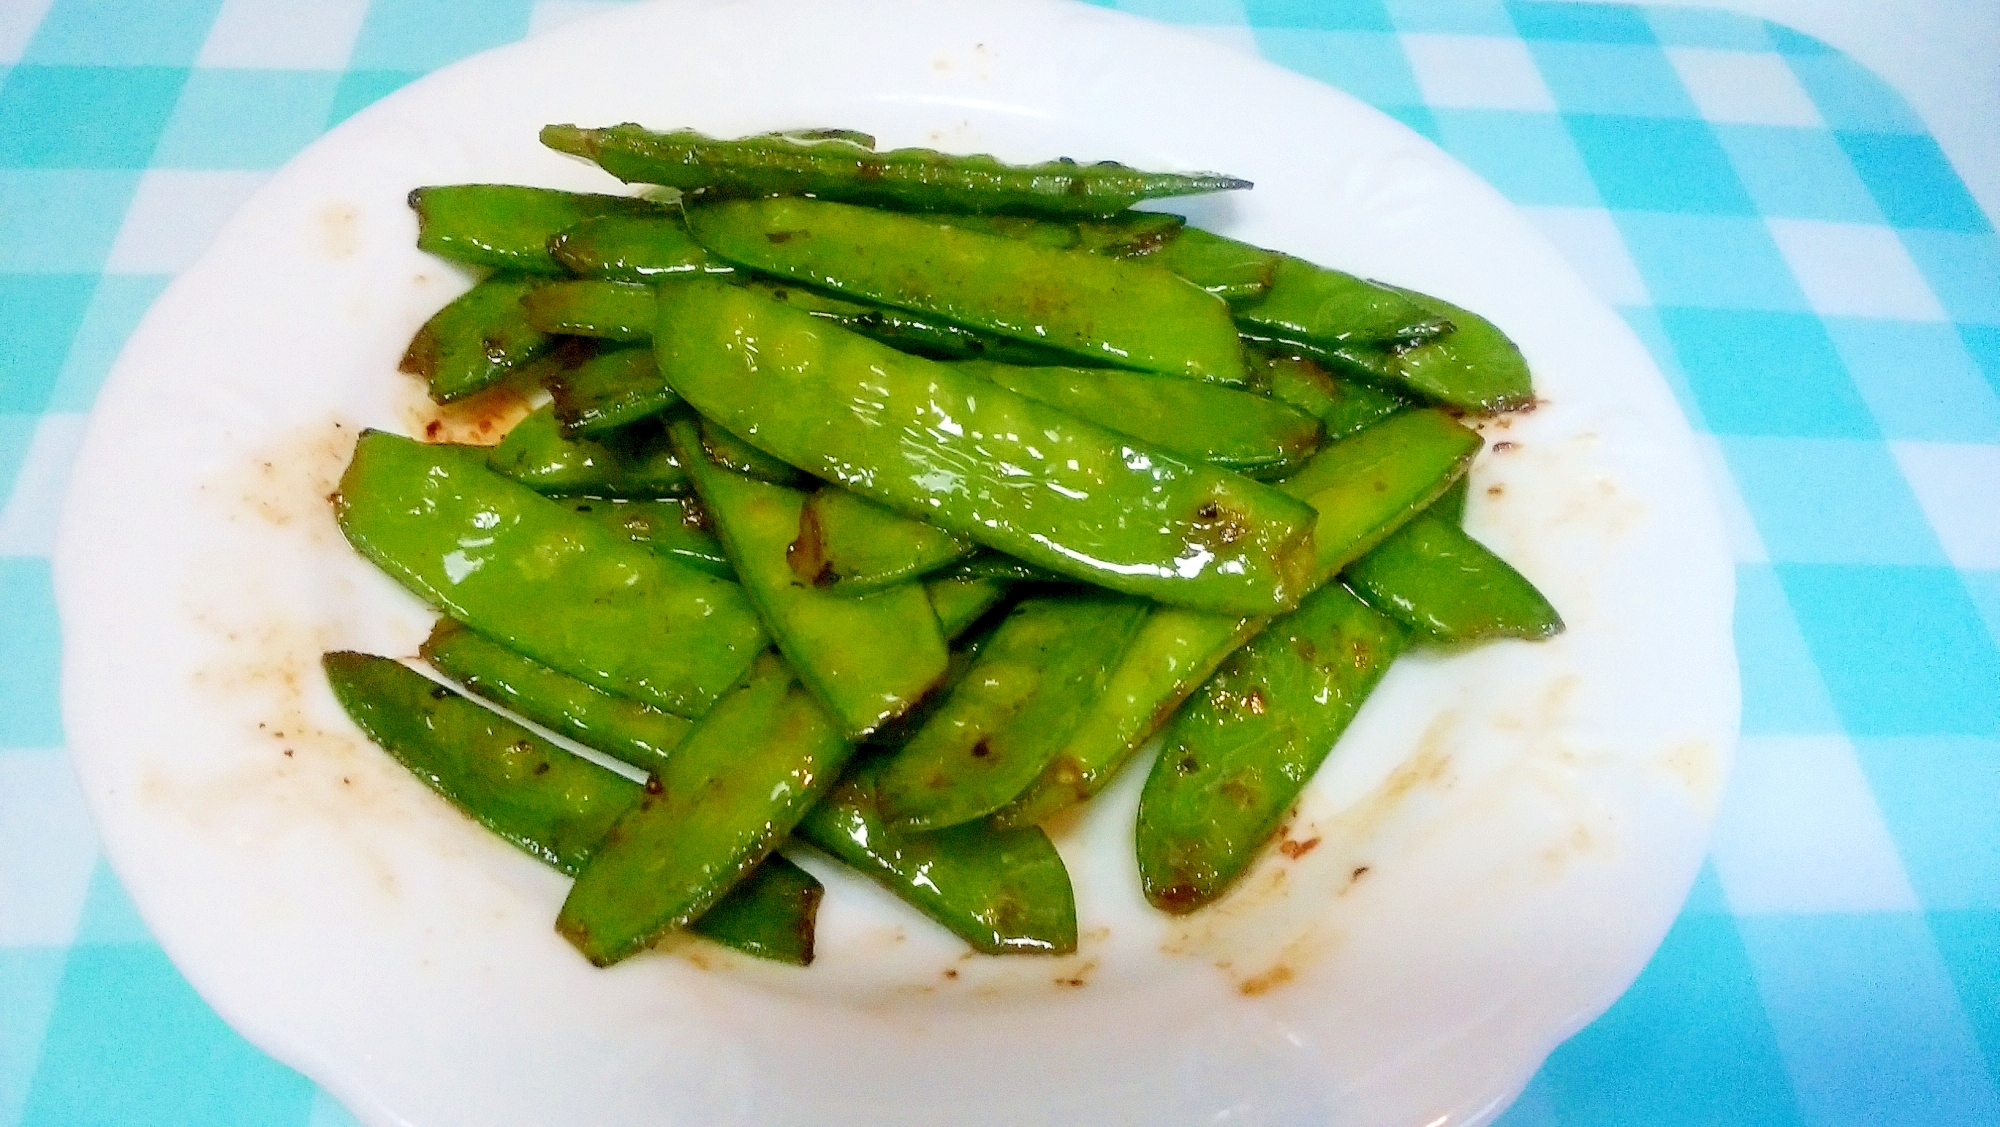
column 508, row 227
column 1321, row 310
column 1367, row 486
column 542, row 581
column 1003, row 891
column 1448, row 587
column 1451, row 506
column 1003, row 724
column 854, row 545
column 633, row 248
column 1108, row 310
column 750, row 769
column 931, row 442
column 1228, row 269
column 871, row 657
column 1345, row 407
column 993, row 565
column 1217, row 425
column 553, row 805
column 591, row 308
column 674, row 527
column 737, row 456
column 919, row 333
column 1473, row 368
column 629, row 462
column 476, row 341
column 1238, row 756
column 842, row 168
column 608, row 391
column 1173, row 652
column 629, row 730
column 961, row 602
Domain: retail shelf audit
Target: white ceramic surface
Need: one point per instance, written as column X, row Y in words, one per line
column 1502, row 838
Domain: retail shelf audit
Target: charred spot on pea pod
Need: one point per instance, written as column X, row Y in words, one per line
column 1179, row 897
column 981, row 750
column 542, row 768
column 439, row 692
column 785, row 236
column 1216, row 525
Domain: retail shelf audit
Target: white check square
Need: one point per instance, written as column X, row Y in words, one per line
column 1854, row 270
column 281, row 35
column 1958, row 487
column 174, row 216
column 1477, row 72
column 1751, row 88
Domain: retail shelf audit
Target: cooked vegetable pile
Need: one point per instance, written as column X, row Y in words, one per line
column 887, row 503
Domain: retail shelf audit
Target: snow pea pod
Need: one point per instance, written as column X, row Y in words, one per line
column 674, row 527
column 609, row 390
column 1108, row 310
column 555, row 806
column 919, row 333
column 1002, row 891
column 869, row 657
column 1233, row 271
column 543, row 581
column 633, row 248
column 854, row 545
column 1314, row 307
column 993, row 565
column 729, row 795
column 940, row 445
column 506, row 226
column 960, row 602
column 1217, row 425
column 630, row 462
column 1343, row 406
column 1173, row 652
column 1367, row 486
column 1238, row 756
column 1008, row 718
column 843, row 168
column 737, row 456
column 1450, row 588
column 476, row 341
column 591, row 308
column 1451, row 506
column 630, row 730
column 1475, row 367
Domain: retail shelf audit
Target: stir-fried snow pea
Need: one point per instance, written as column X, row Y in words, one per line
column 633, row 248
column 553, row 805
column 1367, row 486
column 1451, row 506
column 544, row 581
column 591, row 308
column 993, row 565
column 870, row 657
column 1130, row 232
column 1217, row 425
column 1003, row 891
column 1233, row 271
column 1314, row 307
column 1448, row 587
column 629, row 462
column 941, row 445
column 920, row 333
column 1240, row 753
column 1008, row 718
column 737, row 456
column 841, row 168
column 629, row 730
column 960, row 602
column 729, row 795
column 856, row 545
column 1109, row 310
column 1343, row 406
column 607, row 391
column 1173, row 652
column 477, row 340
column 1473, row 368
column 675, row 527
column 506, row 226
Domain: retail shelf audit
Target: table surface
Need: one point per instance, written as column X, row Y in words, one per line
column 1771, row 218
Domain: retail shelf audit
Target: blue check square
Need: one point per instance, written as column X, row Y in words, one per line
column 84, row 117
column 1766, row 374
column 122, row 32
column 1902, row 649
column 1451, row 17
column 1969, row 944
column 29, row 710
column 1952, row 402
column 114, row 311
column 1656, row 164
column 1963, row 270
column 39, row 315
column 1783, row 694
column 1810, row 495
column 1697, row 27
column 1794, row 173
column 1612, row 78
column 1936, row 795
column 1913, row 182
column 1713, row 261
column 1530, row 157
column 1850, row 97
column 244, row 119
column 422, row 35
column 360, row 89
column 1347, row 15
column 1367, row 64
column 1580, row 23
column 29, row 977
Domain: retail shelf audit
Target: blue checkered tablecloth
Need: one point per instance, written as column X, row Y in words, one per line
column 1772, row 219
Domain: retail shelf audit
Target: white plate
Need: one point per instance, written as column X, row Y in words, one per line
column 1503, row 837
